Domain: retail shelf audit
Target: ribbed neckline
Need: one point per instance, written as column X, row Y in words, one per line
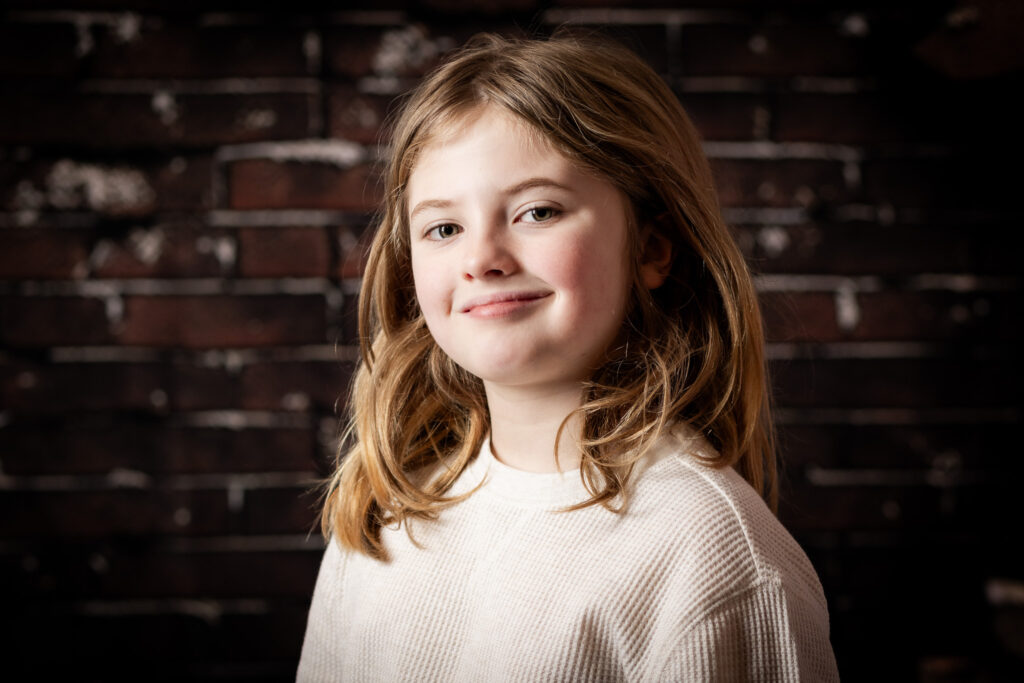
column 521, row 488
column 557, row 489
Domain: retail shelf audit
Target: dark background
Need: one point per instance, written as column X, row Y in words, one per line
column 185, row 190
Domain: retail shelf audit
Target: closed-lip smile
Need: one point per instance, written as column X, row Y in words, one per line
column 501, row 303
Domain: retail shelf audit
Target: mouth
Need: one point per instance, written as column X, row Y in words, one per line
column 501, row 304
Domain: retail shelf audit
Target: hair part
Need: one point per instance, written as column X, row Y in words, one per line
column 691, row 350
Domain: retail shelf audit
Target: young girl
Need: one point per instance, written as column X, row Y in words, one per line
column 560, row 437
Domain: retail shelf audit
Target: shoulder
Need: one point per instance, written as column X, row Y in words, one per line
column 723, row 525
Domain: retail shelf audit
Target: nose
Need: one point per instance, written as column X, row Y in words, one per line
column 488, row 255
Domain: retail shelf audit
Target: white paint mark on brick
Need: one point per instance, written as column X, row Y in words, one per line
column 359, row 113
column 26, row 217
column 224, row 249
column 773, row 240
column 257, row 119
column 83, row 32
column 209, row 611
column 101, row 253
column 99, row 563
column 340, row 153
column 847, row 309
column 851, row 174
column 126, row 27
column 766, row 191
column 182, row 516
column 71, row 185
column 408, row 48
column 758, row 44
column 764, row 149
column 123, row 478
column 804, row 196
column 236, row 496
column 334, row 298
column 886, row 214
column 27, row 196
column 891, row 510
column 113, row 308
column 158, row 398
column 962, row 17
column 855, row 25
column 1002, row 592
column 762, row 122
column 166, row 107
column 147, row 245
column 312, row 48
column 295, row 401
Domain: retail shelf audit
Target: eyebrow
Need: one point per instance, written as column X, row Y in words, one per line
column 528, row 184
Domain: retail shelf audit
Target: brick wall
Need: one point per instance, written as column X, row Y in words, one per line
column 185, row 190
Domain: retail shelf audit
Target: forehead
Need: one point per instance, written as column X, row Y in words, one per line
column 450, row 129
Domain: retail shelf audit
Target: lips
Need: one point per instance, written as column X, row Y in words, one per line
column 501, row 303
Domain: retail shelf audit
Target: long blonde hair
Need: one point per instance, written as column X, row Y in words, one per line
column 692, row 350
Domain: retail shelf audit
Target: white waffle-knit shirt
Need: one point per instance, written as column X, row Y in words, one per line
column 695, row 581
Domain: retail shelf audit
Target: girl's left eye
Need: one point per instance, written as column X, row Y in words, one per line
column 540, row 214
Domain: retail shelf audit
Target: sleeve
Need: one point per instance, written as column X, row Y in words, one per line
column 761, row 634
column 321, row 657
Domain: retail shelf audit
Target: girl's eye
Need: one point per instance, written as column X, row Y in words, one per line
column 540, row 214
column 443, row 232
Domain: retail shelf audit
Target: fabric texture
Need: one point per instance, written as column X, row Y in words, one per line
column 695, row 581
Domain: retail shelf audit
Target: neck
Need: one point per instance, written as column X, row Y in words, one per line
column 525, row 422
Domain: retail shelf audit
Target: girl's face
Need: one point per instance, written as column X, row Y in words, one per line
column 520, row 259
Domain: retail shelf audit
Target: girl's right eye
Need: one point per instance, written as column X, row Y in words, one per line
column 443, row 232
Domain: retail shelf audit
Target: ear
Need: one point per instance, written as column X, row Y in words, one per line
column 656, row 259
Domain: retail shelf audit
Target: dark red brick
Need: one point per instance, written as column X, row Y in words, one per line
column 274, row 386
column 211, row 321
column 98, row 445
column 354, row 250
column 173, row 49
column 809, row 316
column 147, row 388
column 779, row 183
column 908, row 383
column 783, row 49
column 38, row 50
column 947, row 449
column 726, row 116
column 53, row 321
column 935, row 184
column 125, row 574
column 282, row 510
column 164, row 251
column 264, row 184
column 42, row 253
column 358, row 51
column 113, row 513
column 283, row 252
column 120, row 121
column 356, row 116
column 853, row 119
column 857, row 248
column 894, row 316
column 857, row 507
column 107, row 188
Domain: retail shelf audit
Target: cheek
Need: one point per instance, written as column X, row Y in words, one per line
column 598, row 275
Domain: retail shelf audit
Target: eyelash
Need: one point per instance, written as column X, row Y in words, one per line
column 434, row 232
